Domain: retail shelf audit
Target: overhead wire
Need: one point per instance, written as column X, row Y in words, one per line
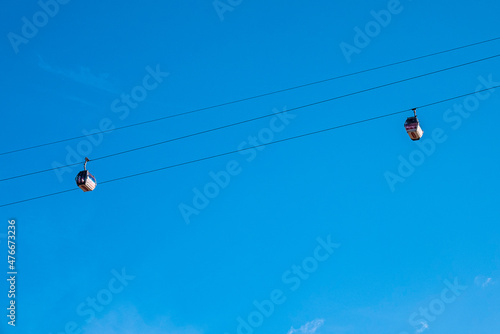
column 252, row 97
column 261, row 145
column 255, row 118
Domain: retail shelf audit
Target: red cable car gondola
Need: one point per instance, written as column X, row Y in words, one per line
column 413, row 128
column 85, row 180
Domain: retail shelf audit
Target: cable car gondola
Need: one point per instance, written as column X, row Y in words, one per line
column 413, row 128
column 85, row 180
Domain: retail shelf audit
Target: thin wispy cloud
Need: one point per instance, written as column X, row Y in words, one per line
column 483, row 281
column 83, row 76
column 487, row 282
column 129, row 321
column 423, row 328
column 309, row 328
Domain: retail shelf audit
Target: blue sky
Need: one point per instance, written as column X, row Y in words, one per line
column 358, row 230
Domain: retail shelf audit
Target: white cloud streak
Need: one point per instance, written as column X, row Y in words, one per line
column 483, row 281
column 129, row 321
column 82, row 76
column 309, row 328
column 425, row 326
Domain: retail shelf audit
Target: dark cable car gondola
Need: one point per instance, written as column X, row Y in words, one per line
column 413, row 128
column 85, row 180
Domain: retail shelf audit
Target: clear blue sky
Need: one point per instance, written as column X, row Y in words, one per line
column 318, row 235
